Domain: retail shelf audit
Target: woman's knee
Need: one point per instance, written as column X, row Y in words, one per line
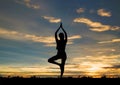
column 49, row 60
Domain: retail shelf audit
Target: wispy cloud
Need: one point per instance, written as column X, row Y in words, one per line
column 52, row 19
column 29, row 4
column 80, row 10
column 95, row 26
column 104, row 13
column 47, row 40
column 7, row 34
column 25, row 71
column 110, row 41
column 41, row 39
column 14, row 35
column 96, row 60
column 113, row 67
column 72, row 38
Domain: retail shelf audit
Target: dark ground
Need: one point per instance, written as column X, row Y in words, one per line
column 59, row 81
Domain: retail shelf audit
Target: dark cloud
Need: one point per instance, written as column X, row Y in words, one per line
column 113, row 67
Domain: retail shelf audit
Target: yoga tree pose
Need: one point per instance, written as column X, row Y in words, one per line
column 60, row 46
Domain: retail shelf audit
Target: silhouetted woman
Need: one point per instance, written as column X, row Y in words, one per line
column 60, row 46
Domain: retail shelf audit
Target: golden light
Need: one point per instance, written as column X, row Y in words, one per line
column 94, row 68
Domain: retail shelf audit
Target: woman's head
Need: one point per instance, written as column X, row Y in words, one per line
column 61, row 35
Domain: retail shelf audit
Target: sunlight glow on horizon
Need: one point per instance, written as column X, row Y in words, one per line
column 94, row 70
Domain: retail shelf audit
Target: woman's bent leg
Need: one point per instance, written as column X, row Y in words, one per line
column 52, row 60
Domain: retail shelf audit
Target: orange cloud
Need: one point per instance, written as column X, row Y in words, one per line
column 104, row 13
column 95, row 26
column 110, row 41
column 29, row 4
column 47, row 40
column 80, row 10
column 52, row 19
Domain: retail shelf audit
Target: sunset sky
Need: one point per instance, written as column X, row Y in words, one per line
column 27, row 41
